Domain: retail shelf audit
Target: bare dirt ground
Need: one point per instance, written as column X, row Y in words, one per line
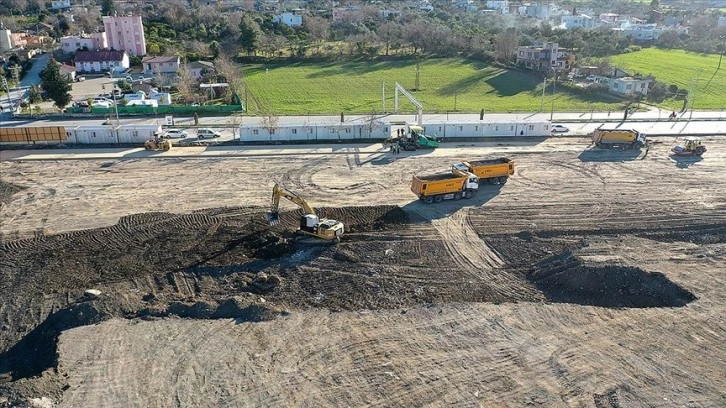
column 591, row 278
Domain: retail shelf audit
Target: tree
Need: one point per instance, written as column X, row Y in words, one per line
column 505, row 46
column 215, row 49
column 248, row 35
column 108, row 7
column 55, row 84
column 389, row 32
column 319, row 29
column 186, row 84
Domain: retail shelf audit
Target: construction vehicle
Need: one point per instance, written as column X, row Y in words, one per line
column 416, row 133
column 157, row 143
column 618, row 138
column 690, row 147
column 310, row 224
column 496, row 171
column 447, row 186
column 413, row 139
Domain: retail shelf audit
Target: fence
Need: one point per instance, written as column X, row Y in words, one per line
column 161, row 110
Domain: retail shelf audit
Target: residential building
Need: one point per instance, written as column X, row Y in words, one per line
column 160, row 65
column 60, row 4
column 582, row 21
column 68, row 71
column 544, row 57
column 101, row 61
column 92, row 42
column 6, row 40
column 609, row 18
column 125, row 34
column 641, row 32
column 627, row 85
column 539, row 11
column 500, row 5
column 289, row 19
column 200, row 69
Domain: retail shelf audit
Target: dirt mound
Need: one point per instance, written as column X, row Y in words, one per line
column 207, row 264
column 566, row 278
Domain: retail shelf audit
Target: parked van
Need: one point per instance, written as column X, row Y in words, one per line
column 204, row 133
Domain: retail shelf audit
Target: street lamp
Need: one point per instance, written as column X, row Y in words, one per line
column 554, row 85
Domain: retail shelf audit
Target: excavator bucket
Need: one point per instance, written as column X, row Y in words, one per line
column 273, row 218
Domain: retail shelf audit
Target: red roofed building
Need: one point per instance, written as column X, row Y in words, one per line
column 101, row 61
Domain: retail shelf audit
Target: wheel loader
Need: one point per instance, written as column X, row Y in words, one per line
column 690, row 147
column 157, row 144
column 310, row 224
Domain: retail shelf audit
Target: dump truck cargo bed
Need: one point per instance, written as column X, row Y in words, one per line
column 495, row 171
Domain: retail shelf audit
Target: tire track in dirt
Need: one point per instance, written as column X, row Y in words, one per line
column 478, row 260
column 467, row 250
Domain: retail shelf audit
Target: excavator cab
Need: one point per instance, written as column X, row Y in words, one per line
column 310, row 223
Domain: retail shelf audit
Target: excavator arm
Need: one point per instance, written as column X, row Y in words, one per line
column 278, row 192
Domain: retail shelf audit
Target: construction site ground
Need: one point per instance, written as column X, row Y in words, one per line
column 592, row 278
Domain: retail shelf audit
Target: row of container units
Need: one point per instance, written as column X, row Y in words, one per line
column 487, row 129
column 312, row 132
column 35, row 134
column 105, row 134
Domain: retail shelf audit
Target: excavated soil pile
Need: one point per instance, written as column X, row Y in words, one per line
column 567, row 279
column 208, row 264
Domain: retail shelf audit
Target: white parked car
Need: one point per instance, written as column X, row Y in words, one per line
column 175, row 134
column 101, row 104
column 204, row 133
column 559, row 129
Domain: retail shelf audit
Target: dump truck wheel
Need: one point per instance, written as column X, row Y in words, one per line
column 468, row 194
column 428, row 200
column 494, row 180
column 438, row 198
column 457, row 196
column 502, row 180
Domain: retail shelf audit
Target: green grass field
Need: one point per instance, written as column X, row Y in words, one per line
column 446, row 85
column 687, row 70
column 449, row 85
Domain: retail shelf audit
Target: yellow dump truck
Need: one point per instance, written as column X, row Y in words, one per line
column 496, row 171
column 446, row 186
column 618, row 138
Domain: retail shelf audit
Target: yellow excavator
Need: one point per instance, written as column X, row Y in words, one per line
column 310, row 224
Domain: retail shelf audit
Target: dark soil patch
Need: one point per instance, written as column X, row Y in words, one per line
column 7, row 190
column 567, row 279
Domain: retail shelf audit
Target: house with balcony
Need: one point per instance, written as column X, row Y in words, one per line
column 543, row 57
column 160, row 65
column 101, row 61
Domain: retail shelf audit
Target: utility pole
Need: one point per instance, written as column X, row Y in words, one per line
column 544, row 86
column 554, row 85
column 418, row 72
